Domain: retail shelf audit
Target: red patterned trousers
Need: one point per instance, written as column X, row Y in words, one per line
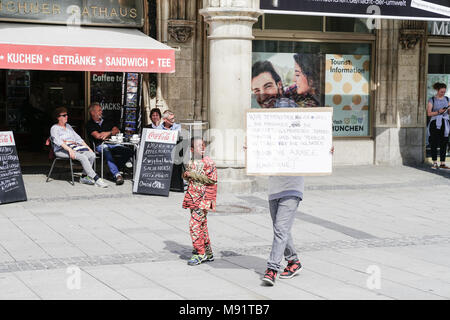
column 198, row 227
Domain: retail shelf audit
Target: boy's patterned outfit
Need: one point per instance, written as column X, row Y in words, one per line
column 200, row 198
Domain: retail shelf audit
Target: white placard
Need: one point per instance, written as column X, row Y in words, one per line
column 289, row 141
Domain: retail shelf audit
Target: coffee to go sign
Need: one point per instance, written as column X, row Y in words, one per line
column 74, row 12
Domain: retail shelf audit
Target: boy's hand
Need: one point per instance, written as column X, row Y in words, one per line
column 332, row 150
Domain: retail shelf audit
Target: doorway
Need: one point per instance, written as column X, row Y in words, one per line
column 27, row 104
column 438, row 71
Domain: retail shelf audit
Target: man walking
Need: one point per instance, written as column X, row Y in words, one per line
column 285, row 192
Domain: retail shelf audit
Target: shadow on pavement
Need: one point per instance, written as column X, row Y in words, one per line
column 253, row 263
column 427, row 168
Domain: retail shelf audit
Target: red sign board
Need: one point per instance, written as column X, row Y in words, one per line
column 34, row 57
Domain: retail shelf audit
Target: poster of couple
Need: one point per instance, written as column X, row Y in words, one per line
column 340, row 81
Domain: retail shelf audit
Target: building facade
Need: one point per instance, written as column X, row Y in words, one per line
column 379, row 116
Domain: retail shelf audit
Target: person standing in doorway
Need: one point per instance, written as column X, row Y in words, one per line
column 439, row 126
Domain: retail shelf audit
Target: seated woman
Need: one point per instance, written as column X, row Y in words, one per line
column 155, row 117
column 67, row 143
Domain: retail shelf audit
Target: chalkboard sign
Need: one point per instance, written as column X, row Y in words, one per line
column 12, row 188
column 155, row 162
column 289, row 141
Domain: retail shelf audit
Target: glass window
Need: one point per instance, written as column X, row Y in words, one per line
column 312, row 74
column 106, row 89
column 293, row 22
column 339, row 24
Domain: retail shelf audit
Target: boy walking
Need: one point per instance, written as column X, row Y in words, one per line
column 200, row 198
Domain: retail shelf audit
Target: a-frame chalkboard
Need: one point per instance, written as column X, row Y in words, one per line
column 12, row 188
column 154, row 162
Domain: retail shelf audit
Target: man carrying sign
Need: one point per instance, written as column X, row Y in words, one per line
column 285, row 194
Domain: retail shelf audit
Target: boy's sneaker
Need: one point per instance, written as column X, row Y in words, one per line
column 209, row 257
column 100, row 183
column 270, row 277
column 87, row 180
column 197, row 259
column 293, row 267
column 435, row 166
column 443, row 166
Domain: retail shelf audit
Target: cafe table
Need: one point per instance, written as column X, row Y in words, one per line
column 134, row 144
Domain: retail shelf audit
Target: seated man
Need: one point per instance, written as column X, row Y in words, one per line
column 100, row 129
column 168, row 121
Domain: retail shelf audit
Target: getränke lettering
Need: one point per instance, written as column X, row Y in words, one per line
column 36, row 7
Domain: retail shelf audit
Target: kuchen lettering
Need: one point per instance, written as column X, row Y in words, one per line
column 126, row 62
column 25, row 58
column 75, row 60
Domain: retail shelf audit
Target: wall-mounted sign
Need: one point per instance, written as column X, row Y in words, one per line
column 86, row 59
column 387, row 9
column 439, row 28
column 125, row 13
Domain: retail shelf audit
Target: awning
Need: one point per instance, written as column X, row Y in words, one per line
column 74, row 48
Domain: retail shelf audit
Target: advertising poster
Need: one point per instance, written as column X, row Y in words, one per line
column 338, row 81
column 286, row 80
column 347, row 92
column 386, row 9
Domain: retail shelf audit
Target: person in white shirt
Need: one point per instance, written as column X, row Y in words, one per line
column 67, row 143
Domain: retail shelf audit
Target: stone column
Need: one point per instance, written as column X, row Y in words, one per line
column 401, row 101
column 230, row 61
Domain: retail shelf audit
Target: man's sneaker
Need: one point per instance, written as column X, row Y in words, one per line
column 87, row 180
column 119, row 180
column 292, row 268
column 435, row 166
column 196, row 259
column 209, row 257
column 270, row 276
column 100, row 183
column 443, row 166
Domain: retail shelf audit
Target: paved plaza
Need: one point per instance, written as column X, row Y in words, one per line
column 363, row 233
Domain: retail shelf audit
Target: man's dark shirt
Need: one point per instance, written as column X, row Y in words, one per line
column 92, row 126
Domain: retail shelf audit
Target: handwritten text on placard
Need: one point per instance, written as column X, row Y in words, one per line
column 289, row 141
